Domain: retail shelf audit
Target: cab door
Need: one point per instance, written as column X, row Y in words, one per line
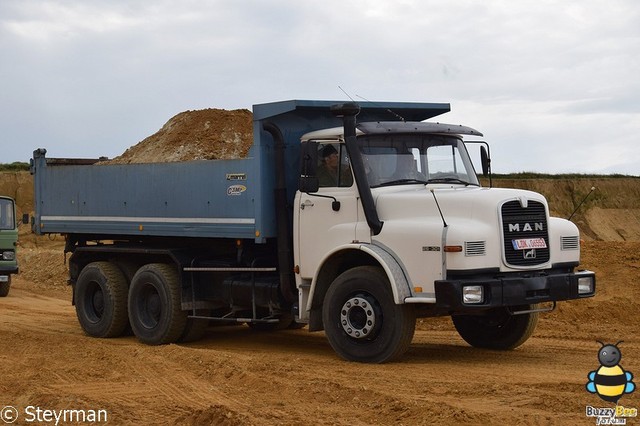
column 327, row 218
column 321, row 229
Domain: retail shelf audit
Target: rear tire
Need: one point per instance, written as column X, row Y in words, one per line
column 155, row 310
column 101, row 300
column 497, row 329
column 361, row 319
column 5, row 286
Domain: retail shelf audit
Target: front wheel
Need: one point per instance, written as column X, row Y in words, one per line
column 362, row 321
column 498, row 329
column 5, row 286
column 155, row 310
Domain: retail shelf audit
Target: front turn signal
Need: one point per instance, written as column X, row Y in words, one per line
column 453, row 249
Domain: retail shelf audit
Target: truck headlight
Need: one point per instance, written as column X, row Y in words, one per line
column 472, row 294
column 8, row 255
column 585, row 285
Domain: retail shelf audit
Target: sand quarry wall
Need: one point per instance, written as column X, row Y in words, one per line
column 610, row 213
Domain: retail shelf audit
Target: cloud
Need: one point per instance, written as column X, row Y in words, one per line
column 537, row 77
column 51, row 22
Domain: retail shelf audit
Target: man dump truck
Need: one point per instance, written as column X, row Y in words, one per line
column 404, row 230
column 8, row 243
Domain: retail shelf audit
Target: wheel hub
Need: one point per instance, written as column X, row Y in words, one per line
column 98, row 303
column 150, row 307
column 357, row 317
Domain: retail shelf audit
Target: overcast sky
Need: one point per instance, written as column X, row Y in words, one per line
column 553, row 85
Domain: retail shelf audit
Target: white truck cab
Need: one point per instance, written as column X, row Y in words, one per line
column 405, row 210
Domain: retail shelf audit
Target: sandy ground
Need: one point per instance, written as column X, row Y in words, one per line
column 236, row 376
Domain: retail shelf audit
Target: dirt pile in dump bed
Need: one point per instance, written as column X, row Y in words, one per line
column 206, row 134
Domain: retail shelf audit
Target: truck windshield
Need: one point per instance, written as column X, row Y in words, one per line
column 415, row 158
column 7, row 221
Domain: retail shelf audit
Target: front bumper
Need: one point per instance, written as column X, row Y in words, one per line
column 512, row 290
column 8, row 269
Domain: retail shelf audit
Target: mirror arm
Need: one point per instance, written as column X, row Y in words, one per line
column 335, row 205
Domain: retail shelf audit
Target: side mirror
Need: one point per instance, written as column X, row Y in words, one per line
column 485, row 161
column 25, row 218
column 309, row 181
column 308, row 184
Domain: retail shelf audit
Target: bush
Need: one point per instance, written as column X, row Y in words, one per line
column 16, row 166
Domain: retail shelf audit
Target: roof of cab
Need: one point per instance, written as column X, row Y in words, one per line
column 383, row 127
column 369, row 111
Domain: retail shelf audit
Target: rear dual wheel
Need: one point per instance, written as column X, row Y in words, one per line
column 106, row 304
column 155, row 309
column 101, row 300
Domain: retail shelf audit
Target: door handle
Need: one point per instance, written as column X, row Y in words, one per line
column 306, row 203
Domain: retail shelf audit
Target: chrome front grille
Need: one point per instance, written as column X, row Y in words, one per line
column 528, row 222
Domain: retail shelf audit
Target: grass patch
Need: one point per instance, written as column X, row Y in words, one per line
column 14, row 167
column 533, row 175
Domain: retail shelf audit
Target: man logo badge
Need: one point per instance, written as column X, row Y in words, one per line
column 529, row 254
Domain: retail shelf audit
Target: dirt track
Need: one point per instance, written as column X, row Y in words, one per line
column 236, row 376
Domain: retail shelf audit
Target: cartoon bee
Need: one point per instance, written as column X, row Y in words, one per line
column 610, row 381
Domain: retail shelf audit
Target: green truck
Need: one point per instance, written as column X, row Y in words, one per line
column 8, row 243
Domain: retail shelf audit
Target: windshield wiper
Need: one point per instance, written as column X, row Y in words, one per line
column 401, row 181
column 451, row 180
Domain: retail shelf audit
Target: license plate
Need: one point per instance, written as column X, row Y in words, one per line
column 4, row 278
column 529, row 243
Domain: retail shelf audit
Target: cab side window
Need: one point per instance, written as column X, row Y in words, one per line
column 334, row 169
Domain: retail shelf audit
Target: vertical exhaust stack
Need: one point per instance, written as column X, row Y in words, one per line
column 348, row 112
column 285, row 252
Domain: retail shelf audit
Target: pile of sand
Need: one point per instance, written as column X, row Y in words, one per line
column 206, row 134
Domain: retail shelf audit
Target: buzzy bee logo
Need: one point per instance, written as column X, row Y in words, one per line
column 610, row 382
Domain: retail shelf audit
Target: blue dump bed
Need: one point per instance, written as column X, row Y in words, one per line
column 208, row 198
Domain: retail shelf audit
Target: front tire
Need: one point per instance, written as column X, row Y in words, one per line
column 5, row 286
column 498, row 329
column 101, row 300
column 155, row 310
column 361, row 319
